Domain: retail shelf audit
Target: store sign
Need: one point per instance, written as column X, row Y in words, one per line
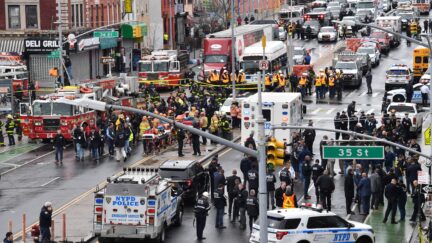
column 40, row 46
column 88, row 44
column 107, row 60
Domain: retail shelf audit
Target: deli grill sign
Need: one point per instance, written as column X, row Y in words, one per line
column 40, row 46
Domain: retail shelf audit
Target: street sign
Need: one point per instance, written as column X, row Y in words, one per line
column 427, row 189
column 107, row 60
column 106, row 34
column 427, row 136
column 353, row 152
column 422, row 177
column 263, row 65
column 54, row 54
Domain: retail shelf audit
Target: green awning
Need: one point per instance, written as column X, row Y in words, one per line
column 132, row 31
column 107, row 43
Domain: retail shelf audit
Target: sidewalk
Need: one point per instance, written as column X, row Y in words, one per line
column 388, row 232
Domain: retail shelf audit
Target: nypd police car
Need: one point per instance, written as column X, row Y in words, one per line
column 303, row 225
column 399, row 95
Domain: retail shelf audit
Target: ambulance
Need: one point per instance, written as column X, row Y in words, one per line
column 137, row 204
column 278, row 109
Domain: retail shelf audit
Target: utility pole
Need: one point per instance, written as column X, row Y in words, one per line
column 233, row 59
column 59, row 13
column 262, row 159
column 170, row 26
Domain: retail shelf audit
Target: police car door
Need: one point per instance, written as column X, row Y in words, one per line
column 328, row 228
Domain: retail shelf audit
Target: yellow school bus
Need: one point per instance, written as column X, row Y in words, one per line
column 420, row 62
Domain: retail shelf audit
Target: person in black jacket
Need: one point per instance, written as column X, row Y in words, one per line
column 195, row 141
column 252, row 208
column 232, row 184
column 253, row 178
column 271, row 180
column 349, row 190
column 417, row 202
column 219, row 203
column 94, row 141
column 391, row 194
column 279, row 194
column 45, row 222
column 201, row 209
column 119, row 143
column 80, row 142
column 180, row 137
column 241, row 204
column 285, row 175
column 309, row 136
column 245, row 166
column 59, row 144
column 212, row 168
column 326, row 187
column 307, row 172
column 317, row 171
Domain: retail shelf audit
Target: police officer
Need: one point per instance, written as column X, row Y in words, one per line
column 201, row 209
column 180, row 137
column 252, row 208
column 271, row 180
column 289, row 198
column 317, row 171
column 326, row 187
column 242, row 195
column 390, row 193
column 285, row 175
column 59, row 143
column 232, row 183
column 10, row 127
column 253, row 178
column 417, row 202
column 220, row 204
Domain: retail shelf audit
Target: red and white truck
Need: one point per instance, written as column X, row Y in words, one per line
column 165, row 68
column 218, row 46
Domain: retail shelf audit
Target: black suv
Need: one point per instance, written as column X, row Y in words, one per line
column 188, row 175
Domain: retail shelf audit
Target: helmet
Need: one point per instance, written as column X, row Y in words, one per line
column 241, row 70
column 9, row 116
column 205, row 194
column 280, row 71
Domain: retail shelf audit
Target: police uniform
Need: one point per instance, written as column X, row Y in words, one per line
column 284, row 176
column 317, row 171
column 253, row 179
column 252, row 208
column 202, row 206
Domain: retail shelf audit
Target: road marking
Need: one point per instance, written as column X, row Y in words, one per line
column 363, row 94
column 316, row 111
column 50, row 181
column 330, row 111
column 375, row 94
column 28, row 162
column 350, row 93
column 10, row 164
column 370, row 111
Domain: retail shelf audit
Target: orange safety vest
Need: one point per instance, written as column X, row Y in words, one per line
column 240, row 78
column 267, row 81
column 214, row 77
column 288, row 201
column 225, row 78
column 303, row 81
column 282, row 81
column 318, row 82
column 331, row 82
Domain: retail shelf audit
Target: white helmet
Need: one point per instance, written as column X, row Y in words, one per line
column 205, row 194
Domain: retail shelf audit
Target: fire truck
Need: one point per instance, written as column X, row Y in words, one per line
column 12, row 69
column 51, row 112
column 137, row 204
column 165, row 68
column 422, row 6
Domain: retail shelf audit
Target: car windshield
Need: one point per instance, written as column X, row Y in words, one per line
column 406, row 15
column 161, row 66
column 361, row 5
column 215, row 59
column 327, row 29
column 42, row 108
column 366, row 50
column 401, row 108
column 145, row 67
column 61, row 109
column 345, row 65
column 398, row 72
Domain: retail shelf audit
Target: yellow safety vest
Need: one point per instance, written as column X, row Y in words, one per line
column 318, row 82
column 214, row 77
column 288, row 201
column 240, row 78
column 331, row 82
column 413, row 27
column 144, row 126
column 282, row 81
column 225, row 78
column 267, row 81
column 303, row 81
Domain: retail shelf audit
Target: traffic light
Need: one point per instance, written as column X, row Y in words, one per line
column 275, row 152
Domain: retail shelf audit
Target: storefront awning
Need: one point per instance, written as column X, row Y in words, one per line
column 12, row 45
column 132, row 31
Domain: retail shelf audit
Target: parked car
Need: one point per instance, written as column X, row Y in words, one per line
column 373, row 53
column 327, row 33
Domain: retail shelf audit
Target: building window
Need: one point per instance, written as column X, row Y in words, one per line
column 97, row 15
column 31, row 16
column 81, row 15
column 74, row 21
column 102, row 15
column 14, row 17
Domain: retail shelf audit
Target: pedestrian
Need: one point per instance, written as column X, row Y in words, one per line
column 390, row 192
column 110, row 136
column 203, row 121
column 279, row 194
column 220, row 204
column 322, row 144
column 241, row 198
column 376, row 186
column 35, row 233
column 430, row 26
column 128, row 137
column 45, row 218
column 424, row 94
column 401, row 200
column 180, row 137
column 10, row 128
column 232, row 185
column 425, row 25
column 94, row 141
column 307, row 172
column 252, row 208
column 80, row 143
column 271, row 180
column 418, row 199
column 349, row 190
column 409, row 91
column 8, row 238
column 201, row 209
column 364, row 190
column 59, row 146
column 337, row 124
column 285, row 174
column 212, row 169
column 253, row 178
column 1, row 134
column 344, row 124
column 326, row 187
column 317, row 171
column 309, row 135
column 196, row 142
column 351, row 109
column 412, row 174
column 245, row 166
column 369, row 81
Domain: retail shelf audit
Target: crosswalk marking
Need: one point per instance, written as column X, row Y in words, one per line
column 316, row 111
column 330, row 111
column 375, row 94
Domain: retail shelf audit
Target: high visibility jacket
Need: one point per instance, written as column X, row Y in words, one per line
column 303, row 81
column 225, row 78
column 225, row 126
column 413, row 27
column 53, row 72
column 282, row 81
column 331, row 82
column 275, row 78
column 318, row 82
column 240, row 78
column 214, row 77
column 203, row 122
column 288, row 201
column 144, row 126
column 10, row 126
column 290, row 28
column 214, row 125
column 267, row 81
column 131, row 135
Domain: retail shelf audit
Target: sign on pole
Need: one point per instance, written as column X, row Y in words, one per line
column 422, row 177
column 263, row 65
column 107, row 60
column 353, row 152
column 54, row 54
column 106, row 34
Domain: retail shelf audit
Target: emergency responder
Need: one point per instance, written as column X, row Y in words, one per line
column 220, row 204
column 309, row 136
column 1, row 134
column 45, row 222
column 338, row 84
column 214, row 77
column 110, row 135
column 10, row 128
column 232, row 186
column 291, row 27
column 331, row 84
column 225, row 78
column 349, row 190
column 252, row 208
column 326, row 187
column 317, row 171
column 241, row 78
column 318, row 87
column 271, row 180
column 289, row 198
column 390, row 193
column 275, row 80
column 307, row 172
column 267, row 82
column 18, row 128
column 282, row 82
column 195, row 141
column 180, row 137
column 201, row 209
column 225, row 127
column 253, row 178
column 203, row 121
column 302, row 84
column 240, row 202
column 417, row 202
column 59, row 145
column 413, row 28
column 285, row 175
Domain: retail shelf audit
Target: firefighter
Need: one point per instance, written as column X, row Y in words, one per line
column 302, row 84
column 201, row 209
column 331, row 85
column 282, row 83
column 18, row 128
column 225, row 127
column 291, row 29
column 240, row 77
column 413, row 28
column 318, row 87
column 275, row 80
column 267, row 82
column 225, row 77
column 1, row 135
column 10, row 127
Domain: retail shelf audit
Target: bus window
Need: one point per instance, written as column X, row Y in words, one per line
column 267, row 115
column 418, row 60
column 425, row 59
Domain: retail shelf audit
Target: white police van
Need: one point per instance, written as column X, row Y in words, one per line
column 302, row 225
